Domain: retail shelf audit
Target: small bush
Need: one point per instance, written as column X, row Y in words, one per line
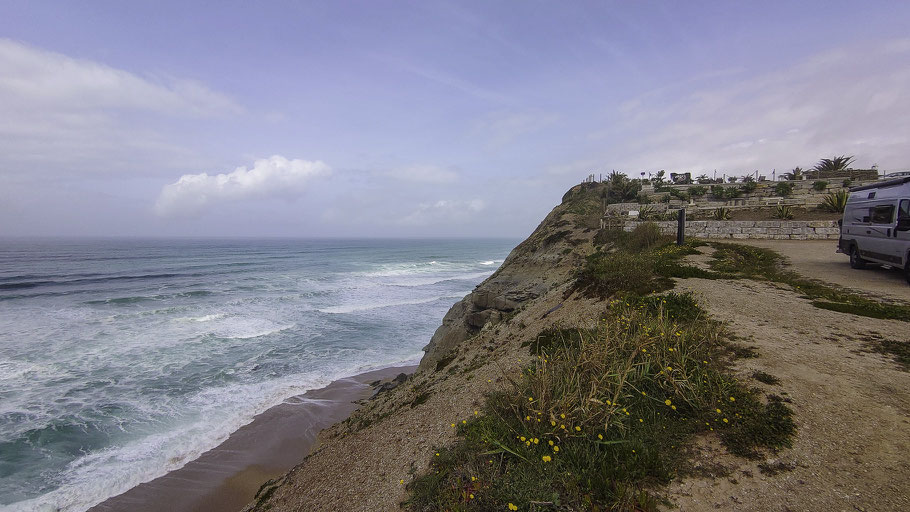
column 721, row 214
column 679, row 194
column 645, row 236
column 749, row 186
column 847, row 182
column 783, row 189
column 835, row 201
column 643, row 198
column 718, row 192
column 783, row 212
column 698, row 191
column 647, row 212
column 819, row 186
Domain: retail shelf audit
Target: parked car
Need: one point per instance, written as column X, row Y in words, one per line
column 876, row 225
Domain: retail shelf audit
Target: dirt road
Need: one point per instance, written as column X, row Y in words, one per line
column 851, row 404
column 817, row 259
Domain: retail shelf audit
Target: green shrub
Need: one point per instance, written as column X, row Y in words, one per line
column 679, row 194
column 645, row 236
column 820, row 186
column 697, row 190
column 835, row 201
column 783, row 189
column 749, row 186
column 718, row 192
column 847, row 182
column 721, row 214
column 783, row 212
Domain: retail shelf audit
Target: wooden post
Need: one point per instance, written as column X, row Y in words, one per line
column 681, row 227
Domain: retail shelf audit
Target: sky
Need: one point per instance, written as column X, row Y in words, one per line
column 419, row 119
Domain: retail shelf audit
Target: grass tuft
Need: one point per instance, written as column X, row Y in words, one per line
column 765, row 378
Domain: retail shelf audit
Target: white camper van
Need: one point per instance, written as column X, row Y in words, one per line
column 876, row 225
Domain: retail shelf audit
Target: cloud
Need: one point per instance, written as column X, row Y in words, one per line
column 847, row 101
column 64, row 113
column 424, row 174
column 444, row 211
column 275, row 177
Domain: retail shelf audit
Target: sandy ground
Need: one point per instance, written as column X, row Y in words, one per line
column 817, row 259
column 852, row 406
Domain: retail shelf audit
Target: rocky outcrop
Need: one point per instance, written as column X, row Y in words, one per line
column 526, row 274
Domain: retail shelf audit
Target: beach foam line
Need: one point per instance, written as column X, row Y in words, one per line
column 351, row 308
column 439, row 279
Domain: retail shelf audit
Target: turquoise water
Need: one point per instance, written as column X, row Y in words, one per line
column 122, row 360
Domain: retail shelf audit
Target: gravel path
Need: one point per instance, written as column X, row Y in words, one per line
column 817, row 259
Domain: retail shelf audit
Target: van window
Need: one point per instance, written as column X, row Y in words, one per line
column 904, row 210
column 857, row 215
column 883, row 214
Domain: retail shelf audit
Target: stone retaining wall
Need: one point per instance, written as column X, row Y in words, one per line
column 763, row 229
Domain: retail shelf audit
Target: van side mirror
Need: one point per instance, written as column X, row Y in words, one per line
column 903, row 224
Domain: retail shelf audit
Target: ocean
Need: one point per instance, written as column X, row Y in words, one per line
column 121, row 360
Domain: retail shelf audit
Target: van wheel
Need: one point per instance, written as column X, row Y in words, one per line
column 855, row 260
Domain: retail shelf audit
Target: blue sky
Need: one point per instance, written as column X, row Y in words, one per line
column 419, row 118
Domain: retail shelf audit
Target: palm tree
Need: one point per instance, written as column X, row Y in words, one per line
column 795, row 174
column 838, row 163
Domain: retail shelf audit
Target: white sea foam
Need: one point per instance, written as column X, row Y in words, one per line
column 426, row 281
column 94, row 477
column 351, row 308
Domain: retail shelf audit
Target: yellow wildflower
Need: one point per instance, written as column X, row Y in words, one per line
column 667, row 401
column 473, row 478
column 732, row 399
column 726, row 421
column 555, row 448
column 512, row 507
column 401, row 481
column 547, row 458
column 600, row 436
column 563, row 416
column 551, row 443
column 523, row 439
column 577, row 428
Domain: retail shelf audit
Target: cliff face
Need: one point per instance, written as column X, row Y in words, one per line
column 364, row 462
column 546, row 257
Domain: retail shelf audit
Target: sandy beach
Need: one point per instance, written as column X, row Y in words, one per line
column 228, row 476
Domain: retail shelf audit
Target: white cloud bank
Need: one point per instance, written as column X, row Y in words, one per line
column 849, row 101
column 63, row 113
column 275, row 177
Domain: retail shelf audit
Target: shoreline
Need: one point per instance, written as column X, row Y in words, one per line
column 227, row 477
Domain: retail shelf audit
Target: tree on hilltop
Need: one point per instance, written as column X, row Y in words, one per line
column 795, row 174
column 838, row 163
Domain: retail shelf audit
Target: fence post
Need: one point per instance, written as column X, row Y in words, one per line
column 681, row 227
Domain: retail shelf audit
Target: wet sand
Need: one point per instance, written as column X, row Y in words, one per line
column 227, row 477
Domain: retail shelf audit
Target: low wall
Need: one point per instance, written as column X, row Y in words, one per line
column 762, row 229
